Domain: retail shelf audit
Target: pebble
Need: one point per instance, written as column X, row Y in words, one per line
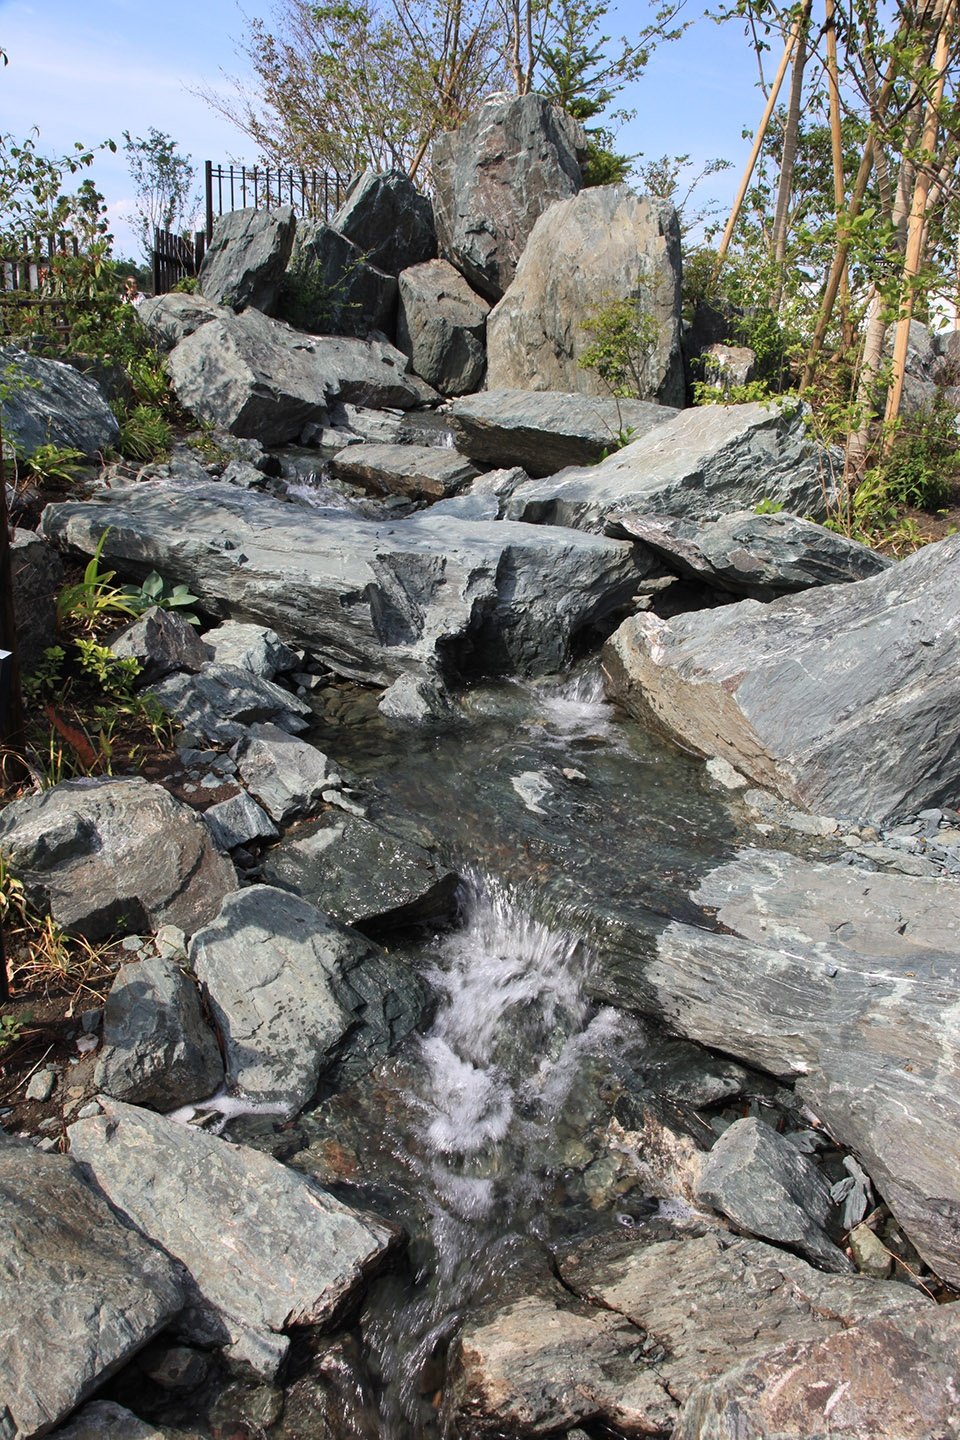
column 51, row 1123
column 48, row 1144
column 211, row 782
column 131, row 943
column 170, row 940
column 869, row 1253
column 724, row 774
column 42, row 1085
column 87, row 1112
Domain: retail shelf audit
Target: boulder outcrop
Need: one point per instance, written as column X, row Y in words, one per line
column 48, row 403
column 246, row 259
column 388, row 220
column 442, row 326
column 331, row 289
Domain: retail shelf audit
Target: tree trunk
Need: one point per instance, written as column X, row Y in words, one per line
column 788, row 157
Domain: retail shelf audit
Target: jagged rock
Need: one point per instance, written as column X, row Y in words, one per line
column 363, row 875
column 106, row 854
column 265, row 1249
column 442, row 326
column 389, row 222
column 286, row 775
column 370, row 600
column 47, row 403
column 837, row 699
column 221, row 701
column 422, row 472
column 758, row 555
column 701, row 463
column 603, row 246
column 161, row 642
column 157, row 1050
column 494, row 178
column 105, row 1420
column 246, row 259
column 768, row 1188
column 64, row 1253
column 545, row 431
column 171, row 318
column 728, row 365
column 238, row 820
column 422, row 701
column 330, row 289
column 251, row 647
column 37, row 572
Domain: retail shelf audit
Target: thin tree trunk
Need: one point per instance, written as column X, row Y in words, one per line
column 788, row 156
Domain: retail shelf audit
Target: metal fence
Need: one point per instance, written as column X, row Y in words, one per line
column 29, row 287
column 175, row 257
column 316, row 193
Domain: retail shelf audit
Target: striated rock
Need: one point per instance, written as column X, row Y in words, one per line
column 237, row 820
column 546, row 430
column 37, row 572
column 442, row 326
column 728, row 365
column 600, row 248
column 286, row 775
column 103, row 855
column 48, row 403
column 161, row 642
column 836, row 699
column 246, row 259
column 221, row 701
column 250, row 647
column 330, row 289
column 171, row 318
column 388, row 221
column 494, row 178
column 423, row 472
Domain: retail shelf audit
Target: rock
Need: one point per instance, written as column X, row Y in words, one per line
column 369, row 600
column 442, row 326
column 495, row 177
column 758, row 555
column 546, row 430
column 286, row 775
column 727, row 366
column 42, row 1085
column 870, row 1255
column 251, row 647
column 834, row 699
column 600, row 248
column 64, row 1253
column 238, row 820
column 362, row 875
column 420, row 701
column 246, row 259
column 37, row 572
column 388, row 221
column 48, row 403
column 157, row 1050
column 161, row 642
column 107, row 854
column 265, row 1249
column 105, row 1420
column 222, row 700
column 704, row 462
column 330, row 289
column 419, row 471
column 171, row 318
column 768, row 1188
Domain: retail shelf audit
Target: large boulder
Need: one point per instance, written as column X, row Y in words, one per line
column 331, row 289
column 704, row 462
column 246, row 259
column 545, row 431
column 442, row 326
column 388, row 221
column 171, row 318
column 47, row 403
column 604, row 248
column 420, row 471
column 839, row 699
column 108, row 854
column 494, row 178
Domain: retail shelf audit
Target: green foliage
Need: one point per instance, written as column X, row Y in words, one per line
column 163, row 179
column 705, row 393
column 768, row 507
column 33, row 198
column 54, row 463
column 145, row 434
column 85, row 605
column 624, row 337
column 186, row 285
column 157, row 591
column 12, row 1028
column 920, row 471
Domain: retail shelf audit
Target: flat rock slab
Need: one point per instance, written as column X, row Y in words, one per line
column 423, row 472
column 761, row 556
column 842, row 700
column 64, row 1254
column 265, row 1248
column 371, row 600
column 104, row 855
column 703, row 462
column 548, row 430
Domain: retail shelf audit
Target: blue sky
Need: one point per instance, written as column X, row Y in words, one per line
column 89, row 69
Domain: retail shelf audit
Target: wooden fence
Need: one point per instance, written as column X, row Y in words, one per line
column 175, row 257
column 316, row 193
column 28, row 283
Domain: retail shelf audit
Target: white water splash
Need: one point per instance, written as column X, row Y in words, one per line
column 578, row 706
column 228, row 1107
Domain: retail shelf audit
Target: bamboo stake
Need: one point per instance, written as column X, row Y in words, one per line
column 836, row 134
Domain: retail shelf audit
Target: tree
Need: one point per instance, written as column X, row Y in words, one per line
column 164, row 183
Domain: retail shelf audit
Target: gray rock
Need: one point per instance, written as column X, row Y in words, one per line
column 104, row 855
column 161, row 642
column 545, row 431
column 64, row 1253
column 728, row 365
column 363, row 875
column 442, row 325
column 369, row 600
column 238, row 820
column 266, row 1249
column 37, row 572
column 704, row 462
column 419, row 471
column 758, row 555
column 157, row 1050
column 251, row 647
column 835, row 699
column 48, row 403
column 330, row 289
column 247, row 257
column 389, row 222
column 603, row 246
column 494, row 178
column 221, row 701
column 286, row 775
column 105, row 1420
column 768, row 1188
column 171, row 318
column 42, row 1085
column 421, row 701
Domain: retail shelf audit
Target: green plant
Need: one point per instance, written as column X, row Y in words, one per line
column 85, row 605
column 706, row 394
column 157, row 591
column 54, row 462
column 12, row 1028
column 766, row 506
column 144, row 434
column 186, row 285
column 624, row 337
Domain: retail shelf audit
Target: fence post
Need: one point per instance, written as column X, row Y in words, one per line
column 157, row 277
column 208, row 188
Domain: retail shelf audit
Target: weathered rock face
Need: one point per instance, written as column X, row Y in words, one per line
column 420, row 471
column 603, row 246
column 250, row 647
column 105, row 854
column 762, row 556
column 64, row 1253
column 330, row 289
column 547, row 430
column 442, row 326
column 37, row 577
column 47, row 403
column 161, row 642
column 704, row 462
column 388, row 221
column 494, row 178
column 265, row 1248
column 836, row 699
column 287, row 776
column 247, row 257
column 223, row 700
column 728, row 365
column 369, row 600
column 171, row 318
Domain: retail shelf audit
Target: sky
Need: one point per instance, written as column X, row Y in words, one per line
column 88, row 70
